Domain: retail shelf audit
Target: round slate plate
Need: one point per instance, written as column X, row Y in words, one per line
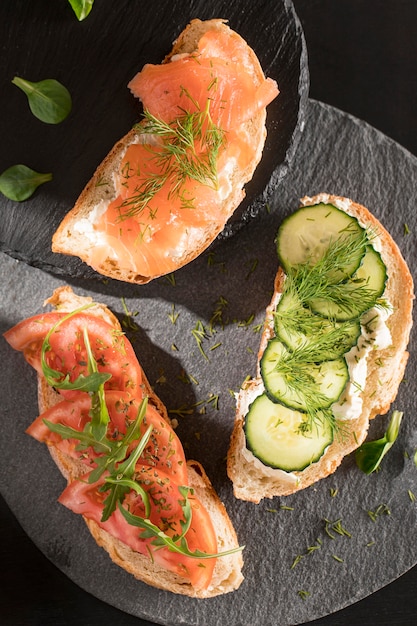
column 230, row 291
column 96, row 59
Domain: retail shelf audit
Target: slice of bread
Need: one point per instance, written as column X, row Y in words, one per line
column 252, row 480
column 76, row 235
column 227, row 574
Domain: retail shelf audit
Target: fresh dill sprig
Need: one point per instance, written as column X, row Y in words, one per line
column 186, row 148
column 325, row 279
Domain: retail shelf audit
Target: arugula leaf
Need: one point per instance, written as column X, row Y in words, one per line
column 370, row 454
column 19, row 182
column 48, row 99
column 81, row 8
column 174, row 544
column 89, row 383
column 84, row 437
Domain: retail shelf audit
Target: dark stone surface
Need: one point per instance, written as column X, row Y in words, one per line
column 337, row 154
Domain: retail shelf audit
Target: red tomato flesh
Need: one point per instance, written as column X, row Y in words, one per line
column 166, row 513
column 68, row 355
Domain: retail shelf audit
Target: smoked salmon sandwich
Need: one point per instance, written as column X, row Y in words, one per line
column 155, row 513
column 167, row 189
column 333, row 349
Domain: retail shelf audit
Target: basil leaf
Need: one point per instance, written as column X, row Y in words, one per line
column 48, row 99
column 81, row 8
column 370, row 454
column 19, row 182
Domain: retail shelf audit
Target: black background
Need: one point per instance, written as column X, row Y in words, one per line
column 363, row 59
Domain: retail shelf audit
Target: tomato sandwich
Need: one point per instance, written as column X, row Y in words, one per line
column 155, row 513
column 168, row 187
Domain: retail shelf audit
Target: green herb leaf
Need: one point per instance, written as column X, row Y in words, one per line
column 81, row 8
column 90, row 383
column 370, row 454
column 48, row 99
column 178, row 544
column 19, row 182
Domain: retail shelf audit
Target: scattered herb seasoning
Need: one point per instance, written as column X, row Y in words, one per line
column 310, row 550
column 411, row 496
column 170, row 278
column 182, row 411
column 173, row 316
column 48, row 99
column 200, row 334
column 406, row 229
column 303, row 594
column 337, row 558
column 336, row 527
column 19, row 182
column 128, row 321
column 382, row 509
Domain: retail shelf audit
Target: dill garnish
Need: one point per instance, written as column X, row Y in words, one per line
column 186, row 148
column 381, row 509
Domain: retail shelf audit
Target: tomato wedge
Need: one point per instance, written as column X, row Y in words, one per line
column 111, row 349
column 166, row 513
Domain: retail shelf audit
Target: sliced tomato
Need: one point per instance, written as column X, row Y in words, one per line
column 111, row 349
column 166, row 513
column 74, row 413
column 164, row 449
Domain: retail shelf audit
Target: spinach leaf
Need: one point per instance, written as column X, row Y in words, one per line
column 48, row 99
column 19, row 182
column 81, row 8
column 370, row 454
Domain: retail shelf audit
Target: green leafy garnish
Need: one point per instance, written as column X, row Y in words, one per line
column 321, row 281
column 81, row 8
column 54, row 378
column 370, row 454
column 177, row 543
column 19, row 182
column 115, row 466
column 176, row 157
column 48, row 99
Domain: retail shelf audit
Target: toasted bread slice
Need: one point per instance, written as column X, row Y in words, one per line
column 227, row 574
column 252, row 480
column 77, row 234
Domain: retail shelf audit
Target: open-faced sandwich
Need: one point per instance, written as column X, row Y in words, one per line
column 167, row 189
column 156, row 514
column 333, row 349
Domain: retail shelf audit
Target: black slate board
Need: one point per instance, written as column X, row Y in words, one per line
column 96, row 59
column 337, row 154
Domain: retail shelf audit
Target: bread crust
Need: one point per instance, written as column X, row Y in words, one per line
column 227, row 575
column 382, row 383
column 67, row 241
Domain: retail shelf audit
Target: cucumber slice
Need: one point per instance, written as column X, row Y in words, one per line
column 349, row 300
column 297, row 381
column 282, row 438
column 306, row 236
column 298, row 327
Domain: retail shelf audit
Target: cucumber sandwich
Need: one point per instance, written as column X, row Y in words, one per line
column 333, row 349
